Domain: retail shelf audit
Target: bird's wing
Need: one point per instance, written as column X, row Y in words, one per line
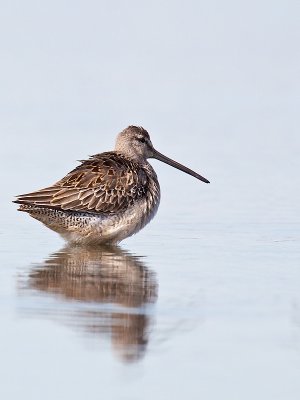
column 106, row 183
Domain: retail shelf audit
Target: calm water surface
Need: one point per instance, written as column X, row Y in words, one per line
column 188, row 306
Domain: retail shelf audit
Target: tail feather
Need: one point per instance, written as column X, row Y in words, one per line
column 41, row 197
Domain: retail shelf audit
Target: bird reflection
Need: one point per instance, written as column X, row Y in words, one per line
column 102, row 290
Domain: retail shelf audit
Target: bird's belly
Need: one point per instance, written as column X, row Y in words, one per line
column 92, row 228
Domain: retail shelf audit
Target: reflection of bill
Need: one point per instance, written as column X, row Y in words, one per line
column 105, row 290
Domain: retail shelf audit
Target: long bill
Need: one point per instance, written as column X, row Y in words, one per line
column 175, row 164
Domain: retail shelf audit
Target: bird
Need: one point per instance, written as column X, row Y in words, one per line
column 108, row 197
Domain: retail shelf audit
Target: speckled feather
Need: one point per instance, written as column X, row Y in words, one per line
column 106, row 183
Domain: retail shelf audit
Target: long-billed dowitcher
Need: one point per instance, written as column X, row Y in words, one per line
column 106, row 198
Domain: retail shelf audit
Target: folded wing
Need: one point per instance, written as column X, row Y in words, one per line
column 106, row 183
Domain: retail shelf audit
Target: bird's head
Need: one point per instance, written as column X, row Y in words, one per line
column 135, row 143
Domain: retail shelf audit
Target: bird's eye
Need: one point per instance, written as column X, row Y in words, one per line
column 142, row 140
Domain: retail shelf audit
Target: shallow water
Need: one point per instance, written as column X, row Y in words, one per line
column 104, row 292
column 204, row 302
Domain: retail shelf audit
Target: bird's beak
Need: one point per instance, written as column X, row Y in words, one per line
column 175, row 164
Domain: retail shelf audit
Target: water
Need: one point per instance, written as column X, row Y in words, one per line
column 204, row 302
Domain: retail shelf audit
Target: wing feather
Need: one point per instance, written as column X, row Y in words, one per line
column 106, row 183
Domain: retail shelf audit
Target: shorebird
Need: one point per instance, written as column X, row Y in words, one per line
column 108, row 197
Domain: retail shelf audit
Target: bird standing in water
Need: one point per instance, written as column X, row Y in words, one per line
column 106, row 198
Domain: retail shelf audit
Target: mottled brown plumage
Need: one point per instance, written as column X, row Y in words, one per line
column 106, row 183
column 107, row 197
